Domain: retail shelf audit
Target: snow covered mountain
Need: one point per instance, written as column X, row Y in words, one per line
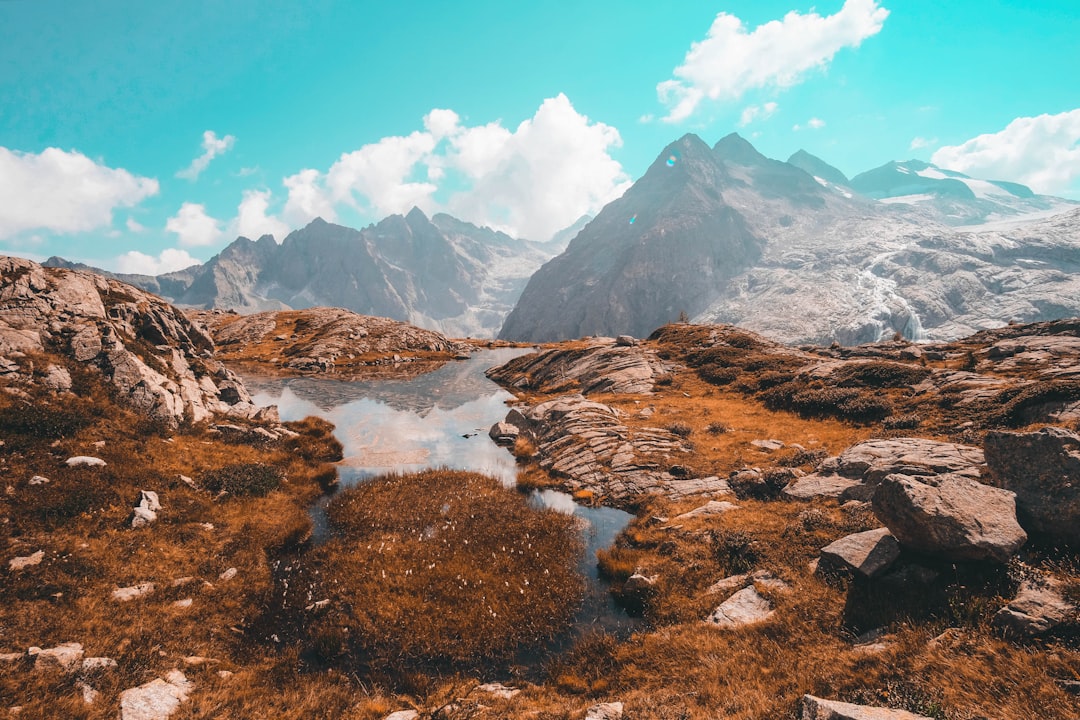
column 728, row 235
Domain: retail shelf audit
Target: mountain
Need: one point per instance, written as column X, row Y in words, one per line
column 439, row 273
column 818, row 168
column 952, row 197
column 728, row 235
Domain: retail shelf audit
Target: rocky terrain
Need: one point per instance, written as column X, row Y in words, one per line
column 725, row 234
column 326, row 340
column 438, row 273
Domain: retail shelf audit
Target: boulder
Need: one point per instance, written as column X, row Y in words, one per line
column 21, row 563
column 819, row 485
column 498, row 690
column 602, row 367
column 145, row 511
column 1043, row 469
column 95, row 664
column 65, row 657
column 503, row 433
column 84, row 461
column 57, row 379
column 127, row 594
column 403, row 715
column 709, row 509
column 1037, row 608
column 157, row 699
column 867, row 553
column 745, row 607
column 815, row 708
column 625, row 341
column 605, row 711
column 951, row 516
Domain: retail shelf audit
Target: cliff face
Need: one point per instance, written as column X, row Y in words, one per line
column 158, row 361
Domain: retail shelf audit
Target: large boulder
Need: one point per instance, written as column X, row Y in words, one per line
column 1043, row 469
column 745, row 607
column 951, row 516
column 815, row 708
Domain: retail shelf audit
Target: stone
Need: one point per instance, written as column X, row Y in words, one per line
column 745, row 607
column 1037, row 608
column 950, row 516
column 625, row 341
column 228, row 574
column 40, row 480
column 815, row 485
column 403, row 715
column 639, row 583
column 95, row 664
column 498, row 690
column 868, row 553
column 815, row 708
column 602, row 367
column 709, row 509
column 57, row 379
column 11, row 658
column 1043, row 469
column 84, row 460
column 127, row 594
column 768, row 445
column 146, row 507
column 503, row 433
column 157, row 699
column 183, row 603
column 21, row 563
column 89, row 694
column 65, row 657
column 605, row 711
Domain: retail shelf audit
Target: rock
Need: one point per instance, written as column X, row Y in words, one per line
column 713, row 507
column 86, row 460
column 1043, row 469
column 145, row 511
column 89, row 694
column 11, row 658
column 736, row 582
column 868, row 553
column 625, row 341
column 503, row 433
column 605, row 711
column 183, row 603
column 228, row 574
column 95, row 664
column 40, row 480
column 768, row 445
column 1036, row 609
column 745, row 607
column 599, row 368
column 65, row 657
column 21, row 563
column 951, row 516
column 403, row 715
column 127, row 594
column 815, row 708
column 57, row 379
column 817, row 485
column 498, row 690
column 157, row 699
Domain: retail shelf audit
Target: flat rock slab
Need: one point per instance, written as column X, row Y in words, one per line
column 85, row 460
column 21, row 563
column 157, row 699
column 745, row 607
column 1043, row 469
column 605, row 711
column 1036, row 609
column 816, row 485
column 872, row 460
column 65, row 657
column 403, row 715
column 868, row 553
column 951, row 516
column 709, row 509
column 815, row 708
column 603, row 367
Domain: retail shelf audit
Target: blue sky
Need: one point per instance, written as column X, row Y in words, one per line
column 141, row 136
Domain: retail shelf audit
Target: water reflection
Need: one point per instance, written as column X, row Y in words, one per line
column 441, row 420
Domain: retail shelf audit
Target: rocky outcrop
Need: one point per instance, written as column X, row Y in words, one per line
column 158, row 361
column 857, row 471
column 815, row 708
column 157, row 699
column 604, row 366
column 1043, row 469
column 950, row 515
column 322, row 339
column 588, row 448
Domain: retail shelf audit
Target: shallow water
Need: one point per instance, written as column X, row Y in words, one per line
column 441, row 419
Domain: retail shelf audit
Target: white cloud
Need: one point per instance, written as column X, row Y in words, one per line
column 1042, row 152
column 919, row 143
column 757, row 112
column 63, row 192
column 212, row 147
column 252, row 221
column 139, row 263
column 134, row 225
column 811, row 124
column 194, row 227
column 530, row 181
column 730, row 60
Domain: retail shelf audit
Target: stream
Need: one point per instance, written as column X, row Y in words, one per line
column 441, row 419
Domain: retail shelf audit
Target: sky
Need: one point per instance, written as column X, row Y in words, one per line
column 144, row 137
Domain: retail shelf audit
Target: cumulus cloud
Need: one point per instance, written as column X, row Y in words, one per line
column 252, row 220
column 530, row 181
column 134, row 225
column 212, row 147
column 1042, row 152
column 139, row 263
column 193, row 227
column 731, row 60
column 757, row 112
column 811, row 124
column 63, row 192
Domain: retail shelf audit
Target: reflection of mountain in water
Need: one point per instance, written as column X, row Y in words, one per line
column 451, row 386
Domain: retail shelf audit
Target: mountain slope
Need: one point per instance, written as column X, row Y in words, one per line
column 818, row 168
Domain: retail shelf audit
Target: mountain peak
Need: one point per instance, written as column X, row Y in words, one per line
column 417, row 215
column 734, row 148
column 817, row 167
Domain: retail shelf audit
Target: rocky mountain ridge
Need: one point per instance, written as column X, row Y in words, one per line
column 727, row 235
